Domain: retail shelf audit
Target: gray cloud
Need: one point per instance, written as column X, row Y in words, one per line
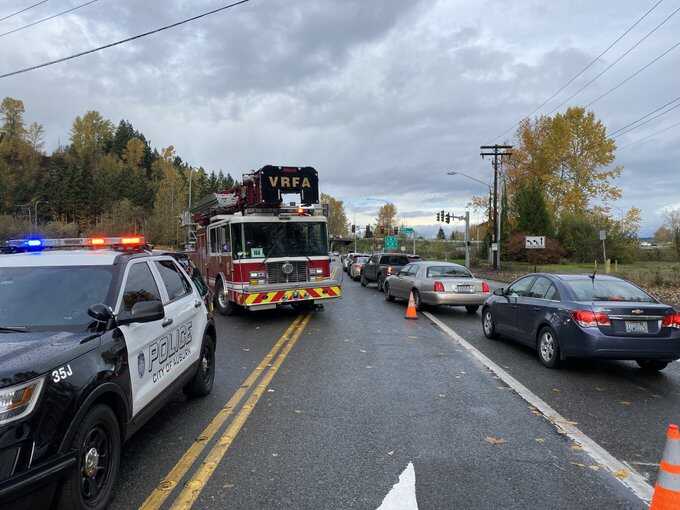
column 382, row 96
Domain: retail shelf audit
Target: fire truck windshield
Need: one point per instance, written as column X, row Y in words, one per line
column 265, row 240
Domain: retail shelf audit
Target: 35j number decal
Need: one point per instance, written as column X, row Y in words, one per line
column 62, row 373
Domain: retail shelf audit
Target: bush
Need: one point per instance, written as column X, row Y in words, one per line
column 515, row 250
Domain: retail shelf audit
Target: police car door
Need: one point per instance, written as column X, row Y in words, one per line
column 139, row 284
column 184, row 306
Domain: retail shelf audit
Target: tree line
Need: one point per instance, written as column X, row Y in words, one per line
column 106, row 180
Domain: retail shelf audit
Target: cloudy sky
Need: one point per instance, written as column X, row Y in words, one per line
column 381, row 96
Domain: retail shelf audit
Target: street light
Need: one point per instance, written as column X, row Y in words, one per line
column 498, row 213
column 35, row 208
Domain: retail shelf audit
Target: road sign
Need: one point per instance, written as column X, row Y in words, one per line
column 534, row 242
column 391, row 243
column 407, row 231
column 603, row 235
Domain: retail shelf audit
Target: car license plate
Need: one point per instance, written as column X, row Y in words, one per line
column 636, row 327
column 464, row 288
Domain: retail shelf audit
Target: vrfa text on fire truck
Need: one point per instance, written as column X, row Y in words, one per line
column 256, row 252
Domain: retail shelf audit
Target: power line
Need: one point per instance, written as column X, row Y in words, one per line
column 624, row 129
column 621, row 57
column 23, row 10
column 122, row 41
column 588, row 66
column 48, row 18
column 644, row 139
column 649, row 120
column 626, row 80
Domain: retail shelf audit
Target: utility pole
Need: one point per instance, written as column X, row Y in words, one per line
column 498, row 152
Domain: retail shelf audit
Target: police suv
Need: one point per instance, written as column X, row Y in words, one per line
column 95, row 336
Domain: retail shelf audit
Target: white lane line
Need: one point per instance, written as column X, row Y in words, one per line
column 402, row 495
column 629, row 477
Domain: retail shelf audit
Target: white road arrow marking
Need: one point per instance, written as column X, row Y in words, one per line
column 402, row 495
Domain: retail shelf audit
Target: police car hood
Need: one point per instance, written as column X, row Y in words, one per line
column 24, row 356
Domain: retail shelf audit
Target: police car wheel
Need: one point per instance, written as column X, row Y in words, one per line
column 98, row 445
column 202, row 382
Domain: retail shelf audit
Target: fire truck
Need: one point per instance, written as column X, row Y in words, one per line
column 257, row 253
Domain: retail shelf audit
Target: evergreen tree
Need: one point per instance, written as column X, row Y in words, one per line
column 531, row 210
column 441, row 235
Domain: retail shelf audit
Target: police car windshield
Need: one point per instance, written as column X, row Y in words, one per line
column 51, row 297
column 285, row 239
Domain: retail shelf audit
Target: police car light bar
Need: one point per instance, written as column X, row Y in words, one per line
column 76, row 242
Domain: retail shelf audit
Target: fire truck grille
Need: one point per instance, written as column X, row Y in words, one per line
column 275, row 272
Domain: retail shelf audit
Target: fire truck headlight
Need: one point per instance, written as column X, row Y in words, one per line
column 257, row 275
column 315, row 271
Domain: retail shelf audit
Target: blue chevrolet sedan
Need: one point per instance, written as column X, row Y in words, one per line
column 584, row 316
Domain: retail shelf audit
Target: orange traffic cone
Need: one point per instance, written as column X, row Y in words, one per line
column 667, row 489
column 411, row 308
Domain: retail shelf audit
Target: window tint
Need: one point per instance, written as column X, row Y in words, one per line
column 360, row 260
column 448, row 271
column 539, row 288
column 394, row 260
column 406, row 269
column 219, row 240
column 607, row 290
column 521, row 287
column 140, row 286
column 174, row 281
column 552, row 294
column 374, row 259
column 236, row 239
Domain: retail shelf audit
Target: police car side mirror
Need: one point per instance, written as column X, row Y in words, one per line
column 143, row 311
column 100, row 312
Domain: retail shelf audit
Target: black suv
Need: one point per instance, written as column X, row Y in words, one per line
column 382, row 265
column 93, row 340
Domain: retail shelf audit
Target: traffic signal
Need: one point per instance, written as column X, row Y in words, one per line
column 448, row 218
column 396, row 231
column 438, row 217
column 442, row 214
column 354, row 229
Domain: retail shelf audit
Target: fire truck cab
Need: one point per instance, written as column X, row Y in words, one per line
column 256, row 253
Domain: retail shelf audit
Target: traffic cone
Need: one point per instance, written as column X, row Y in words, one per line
column 667, row 489
column 411, row 308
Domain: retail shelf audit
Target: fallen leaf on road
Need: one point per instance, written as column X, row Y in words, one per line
column 369, row 366
column 462, row 372
column 576, row 447
column 625, row 403
column 494, row 440
column 597, row 388
column 441, row 395
column 270, row 390
column 594, row 467
column 536, row 413
column 362, row 350
column 391, row 452
column 247, row 350
column 540, row 440
column 556, row 390
column 621, row 474
column 275, row 454
column 578, row 464
column 297, row 411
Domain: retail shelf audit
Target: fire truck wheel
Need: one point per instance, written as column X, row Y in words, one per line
column 222, row 302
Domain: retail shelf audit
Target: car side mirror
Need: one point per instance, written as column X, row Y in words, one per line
column 100, row 312
column 499, row 292
column 144, row 311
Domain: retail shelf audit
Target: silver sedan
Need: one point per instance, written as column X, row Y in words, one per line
column 437, row 283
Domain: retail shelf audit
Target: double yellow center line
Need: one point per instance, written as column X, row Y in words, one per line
column 193, row 487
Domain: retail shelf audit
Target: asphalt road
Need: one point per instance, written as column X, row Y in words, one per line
column 624, row 409
column 362, row 398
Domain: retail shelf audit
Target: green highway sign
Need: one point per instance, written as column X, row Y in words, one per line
column 391, row 243
column 407, row 231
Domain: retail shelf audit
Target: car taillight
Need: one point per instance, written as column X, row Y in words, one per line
column 438, row 287
column 588, row 319
column 671, row 321
column 485, row 288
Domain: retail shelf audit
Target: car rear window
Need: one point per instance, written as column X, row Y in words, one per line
column 361, row 260
column 607, row 290
column 448, row 272
column 394, row 260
